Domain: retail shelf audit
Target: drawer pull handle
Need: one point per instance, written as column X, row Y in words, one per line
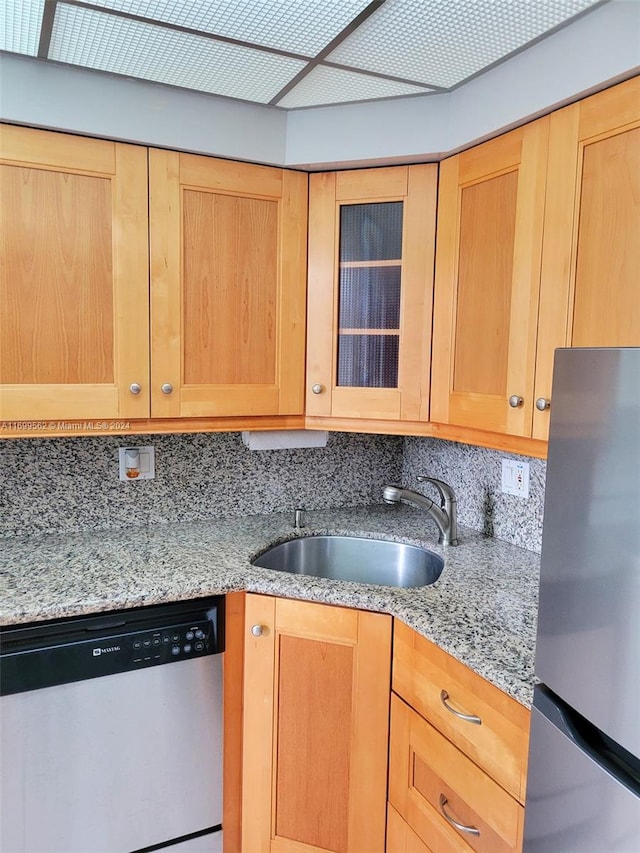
column 461, row 827
column 470, row 718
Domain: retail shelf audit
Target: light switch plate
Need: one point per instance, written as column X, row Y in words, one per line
column 515, row 478
column 136, row 463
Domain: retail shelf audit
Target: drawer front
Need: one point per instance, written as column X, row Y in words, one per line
column 449, row 802
column 400, row 837
column 448, row 693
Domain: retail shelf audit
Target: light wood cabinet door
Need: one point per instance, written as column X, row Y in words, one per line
column 490, row 219
column 316, row 723
column 228, row 263
column 590, row 286
column 370, row 291
column 74, row 279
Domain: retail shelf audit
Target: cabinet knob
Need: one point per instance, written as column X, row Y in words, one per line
column 542, row 404
column 317, row 389
column 135, row 388
column 167, row 388
column 257, row 630
column 515, row 401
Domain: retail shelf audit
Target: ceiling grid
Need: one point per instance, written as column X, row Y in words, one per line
column 290, row 54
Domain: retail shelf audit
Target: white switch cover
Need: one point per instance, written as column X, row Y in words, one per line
column 515, row 478
column 137, row 463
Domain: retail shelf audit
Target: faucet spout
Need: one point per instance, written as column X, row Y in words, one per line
column 445, row 516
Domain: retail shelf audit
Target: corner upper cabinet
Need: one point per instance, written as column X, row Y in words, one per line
column 490, row 225
column 315, row 727
column 371, row 251
column 228, row 264
column 74, row 277
column 590, row 286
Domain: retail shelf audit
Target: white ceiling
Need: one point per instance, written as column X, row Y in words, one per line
column 287, row 53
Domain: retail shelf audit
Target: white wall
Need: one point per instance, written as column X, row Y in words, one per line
column 601, row 47
column 61, row 97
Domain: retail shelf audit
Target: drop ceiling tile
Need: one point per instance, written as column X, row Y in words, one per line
column 297, row 26
column 20, row 22
column 324, row 85
column 115, row 44
column 442, row 42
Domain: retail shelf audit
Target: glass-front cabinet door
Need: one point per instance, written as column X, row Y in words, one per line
column 371, row 246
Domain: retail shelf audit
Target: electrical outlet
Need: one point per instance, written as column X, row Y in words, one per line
column 136, row 463
column 515, row 478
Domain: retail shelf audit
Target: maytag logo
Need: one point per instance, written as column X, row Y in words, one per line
column 98, row 652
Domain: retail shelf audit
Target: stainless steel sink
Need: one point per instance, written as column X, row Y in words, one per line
column 353, row 558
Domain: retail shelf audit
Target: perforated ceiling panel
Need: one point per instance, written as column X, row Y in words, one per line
column 110, row 43
column 326, row 85
column 298, row 26
column 20, row 25
column 442, row 43
column 289, row 53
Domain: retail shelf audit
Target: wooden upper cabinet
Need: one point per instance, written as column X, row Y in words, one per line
column 590, row 287
column 316, row 726
column 74, row 280
column 228, row 264
column 490, row 221
column 371, row 251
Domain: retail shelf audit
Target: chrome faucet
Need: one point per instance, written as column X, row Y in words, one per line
column 445, row 515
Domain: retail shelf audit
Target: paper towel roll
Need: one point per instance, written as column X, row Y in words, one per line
column 285, row 439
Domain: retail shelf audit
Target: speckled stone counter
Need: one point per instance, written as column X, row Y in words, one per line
column 482, row 610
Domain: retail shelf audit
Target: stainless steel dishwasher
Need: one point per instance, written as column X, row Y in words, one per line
column 111, row 732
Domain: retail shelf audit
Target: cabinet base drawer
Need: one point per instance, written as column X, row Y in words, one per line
column 449, row 802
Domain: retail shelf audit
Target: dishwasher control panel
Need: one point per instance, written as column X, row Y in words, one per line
column 91, row 647
column 168, row 644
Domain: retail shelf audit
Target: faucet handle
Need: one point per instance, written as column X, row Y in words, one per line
column 447, row 495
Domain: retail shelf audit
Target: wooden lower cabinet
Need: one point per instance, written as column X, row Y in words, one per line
column 457, row 756
column 450, row 803
column 315, row 727
column 400, row 837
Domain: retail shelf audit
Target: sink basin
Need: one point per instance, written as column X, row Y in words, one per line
column 353, row 558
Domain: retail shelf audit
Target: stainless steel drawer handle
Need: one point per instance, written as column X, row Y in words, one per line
column 470, row 830
column 469, row 718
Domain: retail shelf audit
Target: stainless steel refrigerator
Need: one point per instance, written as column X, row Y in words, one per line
column 583, row 791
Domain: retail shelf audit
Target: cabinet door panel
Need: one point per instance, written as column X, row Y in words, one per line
column 228, row 257
column 370, row 293
column 490, row 215
column 74, row 277
column 589, row 294
column 323, row 672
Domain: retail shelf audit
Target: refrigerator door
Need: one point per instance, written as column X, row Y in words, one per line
column 575, row 804
column 589, row 617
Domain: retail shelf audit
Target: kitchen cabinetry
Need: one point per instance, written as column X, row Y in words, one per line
column 219, row 333
column 74, row 304
column 371, row 246
column 538, row 248
column 228, row 264
column 458, row 752
column 490, row 221
column 315, row 727
column 590, row 295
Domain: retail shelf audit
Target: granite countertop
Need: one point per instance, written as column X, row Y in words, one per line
column 482, row 610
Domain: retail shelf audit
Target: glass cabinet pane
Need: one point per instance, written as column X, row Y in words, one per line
column 368, row 361
column 371, row 232
column 369, row 294
column 369, row 298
